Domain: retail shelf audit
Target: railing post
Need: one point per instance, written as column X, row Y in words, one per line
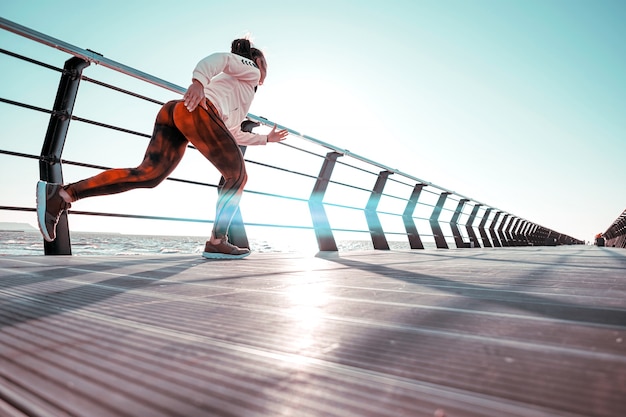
column 530, row 229
column 523, row 233
column 542, row 235
column 470, row 229
column 323, row 232
column 530, row 233
column 492, row 231
column 50, row 168
column 483, row 231
column 458, row 239
column 503, row 239
column 440, row 240
column 411, row 231
column 537, row 235
column 551, row 239
column 376, row 230
column 509, row 231
column 519, row 233
column 236, row 231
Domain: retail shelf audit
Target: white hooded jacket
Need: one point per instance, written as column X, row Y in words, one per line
column 229, row 82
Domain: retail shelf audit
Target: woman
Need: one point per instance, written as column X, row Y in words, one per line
column 209, row 116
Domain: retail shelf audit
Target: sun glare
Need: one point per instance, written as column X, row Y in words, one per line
column 307, row 296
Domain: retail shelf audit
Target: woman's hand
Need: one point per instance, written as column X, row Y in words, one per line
column 277, row 136
column 194, row 96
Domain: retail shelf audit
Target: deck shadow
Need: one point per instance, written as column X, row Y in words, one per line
column 530, row 303
column 56, row 302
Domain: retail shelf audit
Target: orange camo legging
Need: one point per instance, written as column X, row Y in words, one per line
column 174, row 128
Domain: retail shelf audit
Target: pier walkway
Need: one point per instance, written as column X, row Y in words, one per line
column 483, row 332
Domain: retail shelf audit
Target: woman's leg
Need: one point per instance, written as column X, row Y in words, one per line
column 165, row 150
column 207, row 132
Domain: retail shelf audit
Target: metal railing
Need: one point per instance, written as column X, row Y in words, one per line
column 387, row 202
column 615, row 235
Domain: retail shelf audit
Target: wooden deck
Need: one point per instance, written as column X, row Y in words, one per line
column 475, row 332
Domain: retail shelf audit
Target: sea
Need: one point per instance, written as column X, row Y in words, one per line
column 113, row 244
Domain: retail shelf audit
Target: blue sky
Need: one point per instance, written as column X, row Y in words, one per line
column 519, row 104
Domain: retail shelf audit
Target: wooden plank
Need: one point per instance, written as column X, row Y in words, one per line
column 476, row 332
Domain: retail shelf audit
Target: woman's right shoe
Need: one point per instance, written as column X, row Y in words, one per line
column 50, row 205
